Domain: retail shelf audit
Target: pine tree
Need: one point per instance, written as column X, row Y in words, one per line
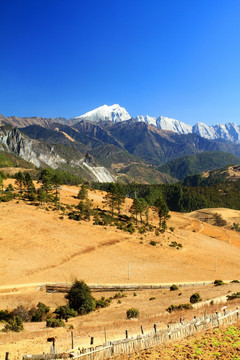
column 115, row 198
column 83, row 193
column 163, row 213
column 19, row 181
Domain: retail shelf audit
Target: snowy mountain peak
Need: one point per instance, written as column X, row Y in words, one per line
column 113, row 113
column 116, row 113
column 147, row 119
column 166, row 123
column 204, row 130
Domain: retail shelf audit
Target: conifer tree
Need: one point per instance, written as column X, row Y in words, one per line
column 114, row 198
column 163, row 213
column 83, row 193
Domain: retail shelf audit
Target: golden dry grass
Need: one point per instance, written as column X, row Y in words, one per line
column 37, row 246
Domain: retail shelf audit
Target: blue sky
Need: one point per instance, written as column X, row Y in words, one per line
column 176, row 58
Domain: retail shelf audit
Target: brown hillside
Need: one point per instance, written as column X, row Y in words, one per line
column 37, row 246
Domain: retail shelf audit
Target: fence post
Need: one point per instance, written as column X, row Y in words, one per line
column 105, row 336
column 6, row 355
column 142, row 330
column 169, row 332
column 237, row 313
column 72, row 339
column 126, row 334
column 155, row 328
column 52, row 339
column 92, row 340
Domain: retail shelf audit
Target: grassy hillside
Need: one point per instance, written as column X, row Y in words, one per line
column 198, row 163
column 141, row 173
column 228, row 175
column 11, row 160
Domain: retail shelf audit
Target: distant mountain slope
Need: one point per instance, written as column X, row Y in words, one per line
column 117, row 145
column 210, row 178
column 11, row 160
column 55, row 155
column 197, row 163
column 115, row 113
column 114, row 157
column 141, row 173
column 26, row 121
column 159, row 146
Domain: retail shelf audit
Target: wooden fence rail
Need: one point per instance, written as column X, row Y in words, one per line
column 145, row 341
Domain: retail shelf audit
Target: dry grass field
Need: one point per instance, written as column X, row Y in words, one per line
column 43, row 246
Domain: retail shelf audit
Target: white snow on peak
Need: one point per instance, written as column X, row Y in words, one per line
column 147, row 119
column 204, row 130
column 113, row 113
column 166, row 123
column 229, row 131
column 116, row 113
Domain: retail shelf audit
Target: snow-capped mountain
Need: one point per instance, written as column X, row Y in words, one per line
column 147, row 119
column 113, row 113
column 204, row 131
column 177, row 126
column 116, row 113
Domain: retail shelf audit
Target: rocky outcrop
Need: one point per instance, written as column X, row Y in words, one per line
column 12, row 140
column 40, row 153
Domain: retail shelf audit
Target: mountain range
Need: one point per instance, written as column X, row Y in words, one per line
column 116, row 113
column 107, row 144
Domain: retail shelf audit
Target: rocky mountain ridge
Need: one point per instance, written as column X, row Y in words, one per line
column 43, row 154
column 115, row 113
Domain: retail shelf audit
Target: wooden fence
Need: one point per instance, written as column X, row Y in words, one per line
column 146, row 341
column 58, row 288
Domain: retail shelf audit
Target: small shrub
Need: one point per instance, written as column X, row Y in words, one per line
column 37, row 316
column 179, row 307
column 174, row 244
column 233, row 296
column 65, row 312
column 171, row 228
column 119, row 302
column 43, row 308
column 141, row 230
column 55, row 323
column 152, row 298
column 153, row 243
column 218, row 282
column 21, row 312
column 5, row 315
column 195, row 298
column 119, row 295
column 235, row 281
column 157, row 233
column 14, row 324
column 173, row 287
column 102, row 303
column 134, row 294
column 132, row 313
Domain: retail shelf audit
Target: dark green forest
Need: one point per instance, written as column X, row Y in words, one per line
column 184, row 198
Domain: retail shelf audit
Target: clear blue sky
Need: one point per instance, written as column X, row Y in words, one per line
column 176, row 58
